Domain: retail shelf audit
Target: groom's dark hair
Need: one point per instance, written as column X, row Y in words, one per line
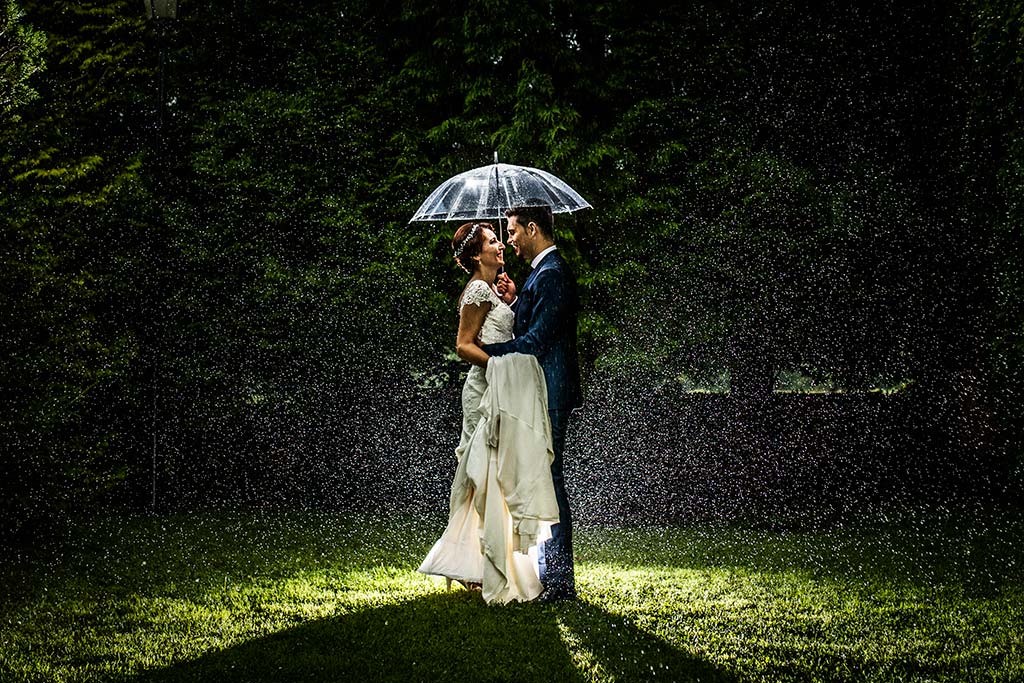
column 541, row 215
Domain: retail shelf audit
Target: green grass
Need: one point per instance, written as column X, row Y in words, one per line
column 309, row 597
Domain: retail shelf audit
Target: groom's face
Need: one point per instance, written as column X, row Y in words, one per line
column 518, row 237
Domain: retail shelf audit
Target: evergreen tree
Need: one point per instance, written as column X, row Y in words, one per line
column 71, row 192
column 20, row 56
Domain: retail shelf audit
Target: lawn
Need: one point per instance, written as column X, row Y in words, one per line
column 325, row 597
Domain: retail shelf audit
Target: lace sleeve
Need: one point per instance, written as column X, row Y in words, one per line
column 477, row 292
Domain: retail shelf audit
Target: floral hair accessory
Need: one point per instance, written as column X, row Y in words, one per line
column 462, row 245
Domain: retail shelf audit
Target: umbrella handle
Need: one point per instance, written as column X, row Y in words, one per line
column 501, row 233
column 497, row 188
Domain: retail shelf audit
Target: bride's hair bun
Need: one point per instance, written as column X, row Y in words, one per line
column 469, row 242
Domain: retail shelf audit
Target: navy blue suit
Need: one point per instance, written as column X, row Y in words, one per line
column 545, row 326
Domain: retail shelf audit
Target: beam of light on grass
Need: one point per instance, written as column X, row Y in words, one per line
column 710, row 603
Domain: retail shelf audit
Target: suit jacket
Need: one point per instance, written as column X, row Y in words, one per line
column 546, row 313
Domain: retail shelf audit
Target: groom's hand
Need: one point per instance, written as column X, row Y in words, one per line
column 506, row 288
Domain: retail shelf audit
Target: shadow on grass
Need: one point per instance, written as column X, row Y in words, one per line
column 451, row 637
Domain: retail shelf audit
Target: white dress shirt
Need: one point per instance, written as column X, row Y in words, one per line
column 540, row 257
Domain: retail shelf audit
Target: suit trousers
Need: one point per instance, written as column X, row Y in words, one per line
column 555, row 560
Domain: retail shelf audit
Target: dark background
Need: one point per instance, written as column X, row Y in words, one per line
column 801, row 283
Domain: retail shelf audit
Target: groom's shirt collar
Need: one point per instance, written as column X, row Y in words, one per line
column 540, row 257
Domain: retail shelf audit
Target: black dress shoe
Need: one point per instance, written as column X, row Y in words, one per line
column 550, row 596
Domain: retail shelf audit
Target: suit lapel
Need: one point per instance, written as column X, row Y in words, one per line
column 522, row 323
column 546, row 261
column 529, row 280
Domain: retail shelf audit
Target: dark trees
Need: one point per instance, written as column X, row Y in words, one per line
column 73, row 207
column 817, row 188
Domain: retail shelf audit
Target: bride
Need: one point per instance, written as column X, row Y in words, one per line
column 502, row 498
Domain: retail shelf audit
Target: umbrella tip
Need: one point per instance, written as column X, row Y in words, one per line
column 495, row 156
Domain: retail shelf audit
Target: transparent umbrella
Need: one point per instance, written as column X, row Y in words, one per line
column 485, row 193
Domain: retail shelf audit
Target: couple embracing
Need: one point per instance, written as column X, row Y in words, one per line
column 509, row 529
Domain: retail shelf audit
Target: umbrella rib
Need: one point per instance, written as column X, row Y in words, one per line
column 553, row 200
column 508, row 194
column 429, row 204
column 458, row 191
column 456, row 195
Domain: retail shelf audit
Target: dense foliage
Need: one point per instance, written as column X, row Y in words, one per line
column 20, row 57
column 224, row 279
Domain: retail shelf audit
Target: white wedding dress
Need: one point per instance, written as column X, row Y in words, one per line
column 484, row 542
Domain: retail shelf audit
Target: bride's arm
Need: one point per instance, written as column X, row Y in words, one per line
column 470, row 321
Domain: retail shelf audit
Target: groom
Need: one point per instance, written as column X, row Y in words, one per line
column 545, row 327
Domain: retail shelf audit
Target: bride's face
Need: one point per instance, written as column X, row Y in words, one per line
column 493, row 253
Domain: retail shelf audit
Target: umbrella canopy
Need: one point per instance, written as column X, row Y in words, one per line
column 487, row 191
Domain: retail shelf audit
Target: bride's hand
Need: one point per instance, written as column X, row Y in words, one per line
column 506, row 288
